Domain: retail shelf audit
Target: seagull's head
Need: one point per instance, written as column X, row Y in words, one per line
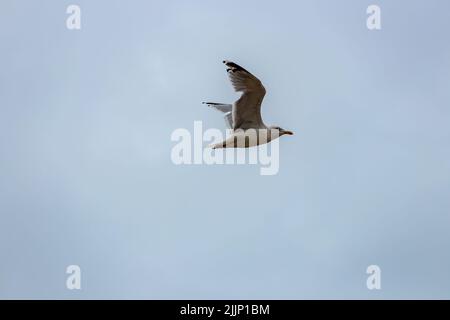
column 281, row 131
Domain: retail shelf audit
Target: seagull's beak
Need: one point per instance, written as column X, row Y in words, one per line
column 288, row 132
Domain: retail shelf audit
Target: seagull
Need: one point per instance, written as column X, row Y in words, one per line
column 244, row 115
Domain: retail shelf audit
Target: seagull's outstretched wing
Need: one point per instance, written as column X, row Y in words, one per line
column 225, row 108
column 247, row 109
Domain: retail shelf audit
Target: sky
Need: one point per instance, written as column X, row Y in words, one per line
column 86, row 176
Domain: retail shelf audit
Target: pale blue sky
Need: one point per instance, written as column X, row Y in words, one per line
column 86, row 176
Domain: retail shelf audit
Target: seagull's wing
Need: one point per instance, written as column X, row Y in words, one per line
column 247, row 109
column 225, row 108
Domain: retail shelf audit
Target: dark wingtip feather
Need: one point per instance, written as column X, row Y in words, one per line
column 213, row 103
column 233, row 66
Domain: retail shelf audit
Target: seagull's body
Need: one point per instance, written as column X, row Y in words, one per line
column 244, row 115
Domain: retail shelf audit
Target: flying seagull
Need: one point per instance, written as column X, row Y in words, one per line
column 244, row 115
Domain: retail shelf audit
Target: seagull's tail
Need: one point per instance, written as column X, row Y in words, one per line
column 219, row 106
